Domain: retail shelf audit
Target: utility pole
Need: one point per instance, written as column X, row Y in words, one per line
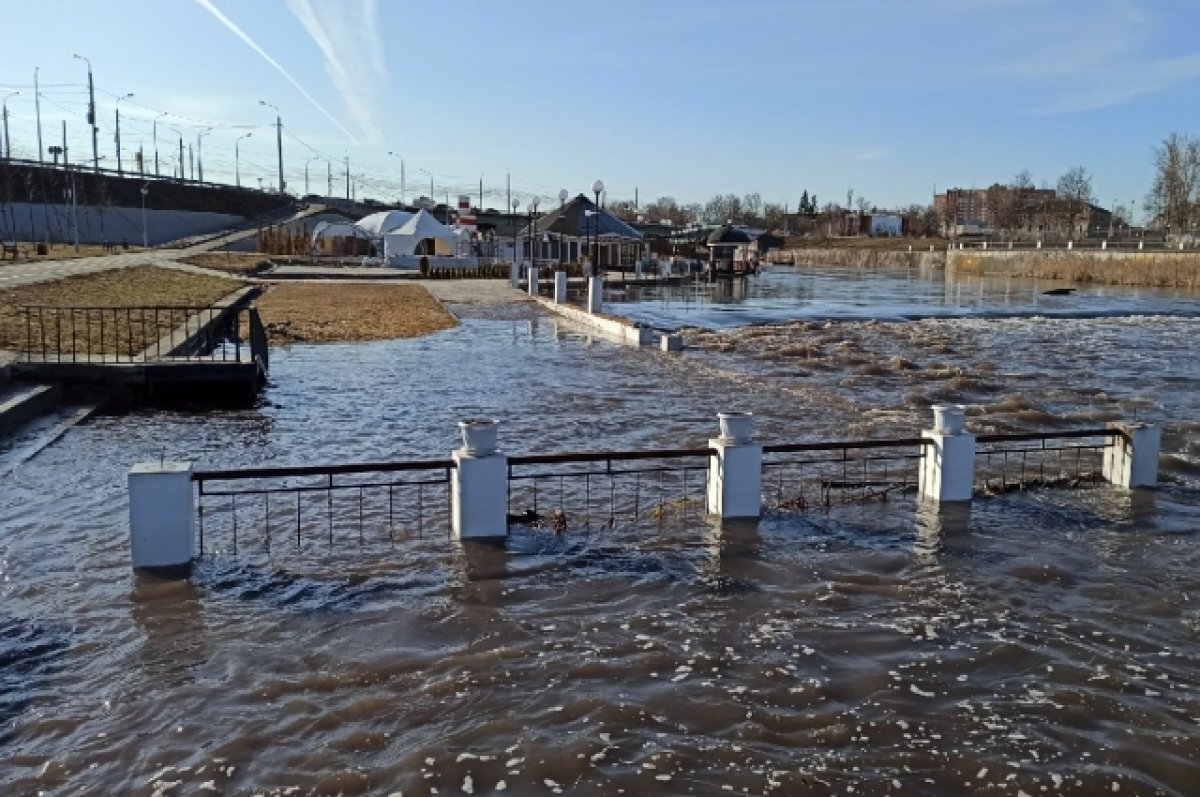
column 191, row 163
column 329, row 178
column 481, row 193
column 7, row 137
column 64, row 147
column 117, row 134
column 508, row 184
column 181, row 174
column 347, row 159
column 279, row 146
column 37, row 106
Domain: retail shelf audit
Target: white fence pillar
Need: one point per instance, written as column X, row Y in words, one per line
column 514, row 275
column 1070, row 245
column 162, row 515
column 948, row 461
column 560, row 287
column 1141, row 245
column 595, row 294
column 1131, row 459
column 735, row 470
column 533, row 280
column 637, row 270
column 1039, row 244
column 1104, row 244
column 479, row 484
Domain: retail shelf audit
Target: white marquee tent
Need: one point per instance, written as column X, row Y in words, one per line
column 422, row 226
column 383, row 223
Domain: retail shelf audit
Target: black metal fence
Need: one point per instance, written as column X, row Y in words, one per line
column 295, row 507
column 1024, row 460
column 799, row 476
column 137, row 334
column 562, row 492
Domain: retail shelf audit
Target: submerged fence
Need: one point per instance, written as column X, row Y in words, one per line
column 176, row 513
column 136, row 334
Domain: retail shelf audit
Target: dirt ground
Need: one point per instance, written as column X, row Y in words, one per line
column 328, row 312
column 138, row 286
column 240, row 263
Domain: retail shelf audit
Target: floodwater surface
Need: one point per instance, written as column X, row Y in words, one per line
column 1039, row 643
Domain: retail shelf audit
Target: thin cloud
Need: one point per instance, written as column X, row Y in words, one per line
column 347, row 35
column 1126, row 83
column 233, row 28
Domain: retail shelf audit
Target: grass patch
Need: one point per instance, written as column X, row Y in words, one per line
column 137, row 286
column 330, row 312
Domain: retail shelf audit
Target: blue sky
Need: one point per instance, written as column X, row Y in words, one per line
column 889, row 98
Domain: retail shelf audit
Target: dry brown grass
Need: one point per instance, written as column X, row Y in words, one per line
column 240, row 263
column 67, row 251
column 138, row 286
column 335, row 311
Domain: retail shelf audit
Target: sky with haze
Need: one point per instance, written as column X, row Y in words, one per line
column 888, row 98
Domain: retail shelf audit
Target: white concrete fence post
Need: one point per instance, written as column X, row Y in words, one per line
column 947, row 468
column 1070, row 245
column 533, row 280
column 1141, row 245
column 735, row 469
column 514, row 275
column 560, row 287
column 595, row 294
column 162, row 515
column 1104, row 244
column 1131, row 459
column 479, row 484
column 1039, row 245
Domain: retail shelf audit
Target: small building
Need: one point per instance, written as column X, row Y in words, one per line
column 728, row 252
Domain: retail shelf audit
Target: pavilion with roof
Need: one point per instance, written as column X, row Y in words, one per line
column 578, row 227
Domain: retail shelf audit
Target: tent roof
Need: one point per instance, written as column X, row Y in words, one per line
column 424, row 225
column 337, row 229
column 571, row 220
column 384, row 222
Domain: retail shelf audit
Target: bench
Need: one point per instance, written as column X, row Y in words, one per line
column 11, row 248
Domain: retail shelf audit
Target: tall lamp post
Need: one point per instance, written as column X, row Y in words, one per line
column 155, row 126
column 200, row 152
column 597, row 188
column 237, row 174
column 423, row 171
column 7, row 139
column 182, row 173
column 91, row 114
column 516, row 203
column 117, row 134
column 401, row 157
column 278, row 139
column 145, row 235
column 310, row 160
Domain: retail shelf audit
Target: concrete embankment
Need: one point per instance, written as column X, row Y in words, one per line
column 1150, row 269
column 863, row 258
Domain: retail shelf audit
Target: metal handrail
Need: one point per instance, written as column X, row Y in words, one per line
column 320, row 470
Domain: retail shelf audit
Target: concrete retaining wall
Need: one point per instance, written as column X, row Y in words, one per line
column 617, row 329
column 1153, row 269
column 36, row 222
column 866, row 258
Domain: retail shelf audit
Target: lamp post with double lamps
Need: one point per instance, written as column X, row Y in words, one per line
column 401, row 157
column 532, row 208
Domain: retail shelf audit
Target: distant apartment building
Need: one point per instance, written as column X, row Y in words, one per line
column 998, row 207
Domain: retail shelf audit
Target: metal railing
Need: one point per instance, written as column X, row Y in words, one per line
column 799, row 476
column 138, row 334
column 268, row 506
column 1023, row 460
column 606, row 488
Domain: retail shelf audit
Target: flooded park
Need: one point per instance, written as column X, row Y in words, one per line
column 1036, row 642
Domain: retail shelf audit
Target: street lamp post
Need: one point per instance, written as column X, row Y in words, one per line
column 237, row 175
column 7, row 138
column 200, row 152
column 117, row 134
column 515, row 204
column 145, row 235
column 532, row 208
column 597, row 187
column 155, row 126
column 401, row 157
column 310, row 160
column 424, row 171
column 91, row 115
column 278, row 139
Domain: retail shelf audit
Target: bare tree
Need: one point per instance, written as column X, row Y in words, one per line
column 1075, row 195
column 773, row 216
column 1174, row 196
column 723, row 208
column 623, row 209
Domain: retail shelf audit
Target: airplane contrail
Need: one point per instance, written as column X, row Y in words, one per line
column 228, row 23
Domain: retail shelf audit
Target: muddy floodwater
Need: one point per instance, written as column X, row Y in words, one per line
column 1045, row 642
